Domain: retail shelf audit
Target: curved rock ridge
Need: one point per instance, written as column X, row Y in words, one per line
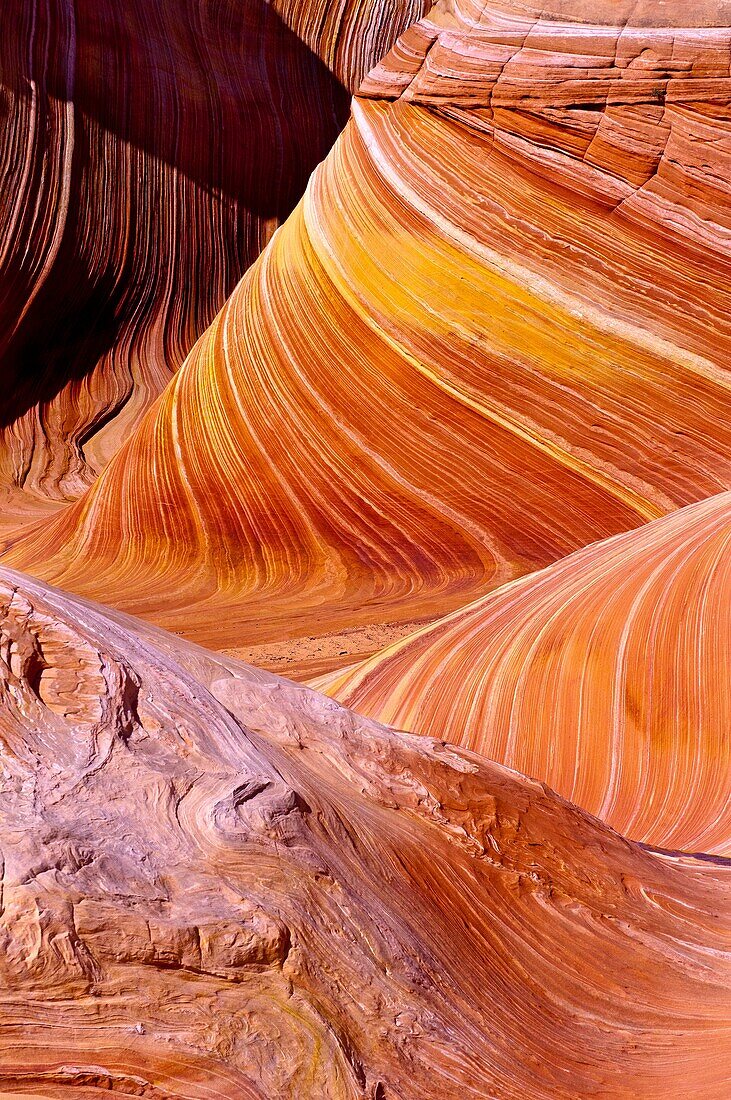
column 216, row 882
column 147, row 152
column 494, row 330
column 603, row 675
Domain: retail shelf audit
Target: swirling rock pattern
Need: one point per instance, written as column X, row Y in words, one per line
column 494, row 330
column 147, row 152
column 603, row 675
column 218, row 883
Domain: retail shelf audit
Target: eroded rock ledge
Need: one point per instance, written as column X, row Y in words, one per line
column 216, row 882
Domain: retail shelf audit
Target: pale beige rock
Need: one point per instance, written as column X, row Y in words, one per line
column 216, row 883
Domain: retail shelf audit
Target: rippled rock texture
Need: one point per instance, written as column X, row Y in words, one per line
column 494, row 330
column 218, row 883
column 148, row 149
column 603, row 675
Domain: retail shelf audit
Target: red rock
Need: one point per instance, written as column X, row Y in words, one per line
column 493, row 333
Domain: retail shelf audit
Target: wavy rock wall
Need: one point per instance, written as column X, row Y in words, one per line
column 147, row 153
column 218, row 883
column 494, row 330
column 493, row 333
column 505, row 289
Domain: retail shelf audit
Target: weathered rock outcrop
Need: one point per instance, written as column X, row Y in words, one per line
column 147, row 152
column 604, row 675
column 494, row 330
column 218, row 883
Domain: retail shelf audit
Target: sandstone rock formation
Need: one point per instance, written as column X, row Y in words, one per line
column 604, row 675
column 494, row 330
column 218, row 883
column 476, row 384
column 147, row 152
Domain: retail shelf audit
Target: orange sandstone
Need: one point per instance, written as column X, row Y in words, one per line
column 494, row 330
column 603, row 675
column 148, row 150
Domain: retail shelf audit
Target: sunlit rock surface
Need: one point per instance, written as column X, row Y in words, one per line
column 604, row 675
column 470, row 404
column 148, row 150
column 218, row 883
column 494, row 330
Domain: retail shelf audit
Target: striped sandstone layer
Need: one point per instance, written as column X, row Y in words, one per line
column 148, row 150
column 218, row 883
column 494, row 330
column 604, row 675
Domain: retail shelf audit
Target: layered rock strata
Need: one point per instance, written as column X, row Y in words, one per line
column 494, row 330
column 147, row 153
column 603, row 675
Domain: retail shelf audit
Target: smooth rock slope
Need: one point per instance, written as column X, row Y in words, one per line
column 605, row 675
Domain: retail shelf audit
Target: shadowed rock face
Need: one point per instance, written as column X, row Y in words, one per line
column 216, row 882
column 147, row 152
column 494, row 330
column 604, row 675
